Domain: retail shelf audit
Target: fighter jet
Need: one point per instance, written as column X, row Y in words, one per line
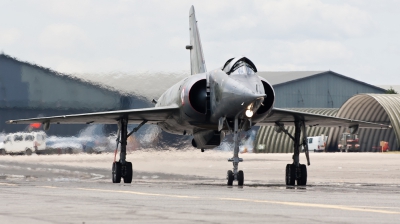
column 208, row 105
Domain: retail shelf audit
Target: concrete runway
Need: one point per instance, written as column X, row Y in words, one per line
column 190, row 187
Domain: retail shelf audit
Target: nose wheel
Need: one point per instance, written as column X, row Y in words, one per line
column 231, row 177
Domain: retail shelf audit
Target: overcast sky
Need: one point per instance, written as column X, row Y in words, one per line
column 359, row 38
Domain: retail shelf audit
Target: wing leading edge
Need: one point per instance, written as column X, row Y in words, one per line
column 135, row 116
column 288, row 117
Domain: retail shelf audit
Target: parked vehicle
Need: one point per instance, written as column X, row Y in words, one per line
column 383, row 147
column 23, row 143
column 349, row 143
column 317, row 143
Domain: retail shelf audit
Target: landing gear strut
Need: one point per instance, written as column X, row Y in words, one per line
column 123, row 168
column 296, row 171
column 235, row 174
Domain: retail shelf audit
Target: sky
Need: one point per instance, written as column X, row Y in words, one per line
column 356, row 38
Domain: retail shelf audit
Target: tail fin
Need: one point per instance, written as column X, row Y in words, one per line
column 197, row 62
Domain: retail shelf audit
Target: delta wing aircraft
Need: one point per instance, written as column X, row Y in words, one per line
column 208, row 105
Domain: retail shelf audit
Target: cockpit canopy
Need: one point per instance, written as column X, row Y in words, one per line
column 239, row 65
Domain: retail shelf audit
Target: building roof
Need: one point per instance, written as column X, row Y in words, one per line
column 275, row 78
column 62, row 75
column 278, row 78
column 144, row 85
column 153, row 84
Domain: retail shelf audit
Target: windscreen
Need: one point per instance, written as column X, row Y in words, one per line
column 242, row 68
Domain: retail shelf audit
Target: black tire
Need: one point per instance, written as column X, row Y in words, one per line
column 240, row 178
column 28, row 152
column 128, row 173
column 303, row 175
column 116, row 172
column 230, row 177
column 290, row 176
column 2, row 152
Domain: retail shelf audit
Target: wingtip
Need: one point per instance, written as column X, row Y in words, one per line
column 9, row 122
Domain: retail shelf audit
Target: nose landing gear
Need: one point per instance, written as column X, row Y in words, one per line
column 235, row 174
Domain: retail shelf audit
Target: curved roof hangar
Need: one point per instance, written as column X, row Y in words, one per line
column 379, row 108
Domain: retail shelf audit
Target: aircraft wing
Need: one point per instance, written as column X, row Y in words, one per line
column 151, row 115
column 289, row 116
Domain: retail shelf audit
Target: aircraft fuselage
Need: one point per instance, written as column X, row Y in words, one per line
column 207, row 99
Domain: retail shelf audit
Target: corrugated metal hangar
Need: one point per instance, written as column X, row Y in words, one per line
column 269, row 141
column 28, row 90
column 379, row 108
column 322, row 92
column 315, row 89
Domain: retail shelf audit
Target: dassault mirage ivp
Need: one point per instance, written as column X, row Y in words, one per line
column 208, row 105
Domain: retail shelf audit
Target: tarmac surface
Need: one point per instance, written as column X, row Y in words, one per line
column 190, row 187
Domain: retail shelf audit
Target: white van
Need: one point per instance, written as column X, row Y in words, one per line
column 23, row 143
column 317, row 143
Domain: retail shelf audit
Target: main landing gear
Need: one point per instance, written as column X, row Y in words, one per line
column 235, row 174
column 122, row 168
column 296, row 171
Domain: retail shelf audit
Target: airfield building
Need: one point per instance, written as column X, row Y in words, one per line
column 333, row 94
column 28, row 90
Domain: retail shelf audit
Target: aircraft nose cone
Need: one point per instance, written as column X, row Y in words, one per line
column 233, row 98
column 238, row 93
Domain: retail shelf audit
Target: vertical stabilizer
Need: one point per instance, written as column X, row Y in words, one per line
column 197, row 62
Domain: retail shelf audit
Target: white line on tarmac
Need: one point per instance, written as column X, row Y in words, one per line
column 297, row 204
column 7, row 184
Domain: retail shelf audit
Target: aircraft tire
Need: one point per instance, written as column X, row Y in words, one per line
column 129, row 173
column 303, row 178
column 240, row 177
column 116, row 172
column 290, row 175
column 230, row 177
column 2, row 152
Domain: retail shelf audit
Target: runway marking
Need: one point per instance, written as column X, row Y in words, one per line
column 7, row 184
column 140, row 193
column 300, row 204
column 378, row 207
column 48, row 187
column 297, row 204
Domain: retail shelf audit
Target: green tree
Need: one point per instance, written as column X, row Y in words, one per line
column 391, row 91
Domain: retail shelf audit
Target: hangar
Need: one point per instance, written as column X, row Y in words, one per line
column 28, row 90
column 379, row 108
column 325, row 93
column 315, row 89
